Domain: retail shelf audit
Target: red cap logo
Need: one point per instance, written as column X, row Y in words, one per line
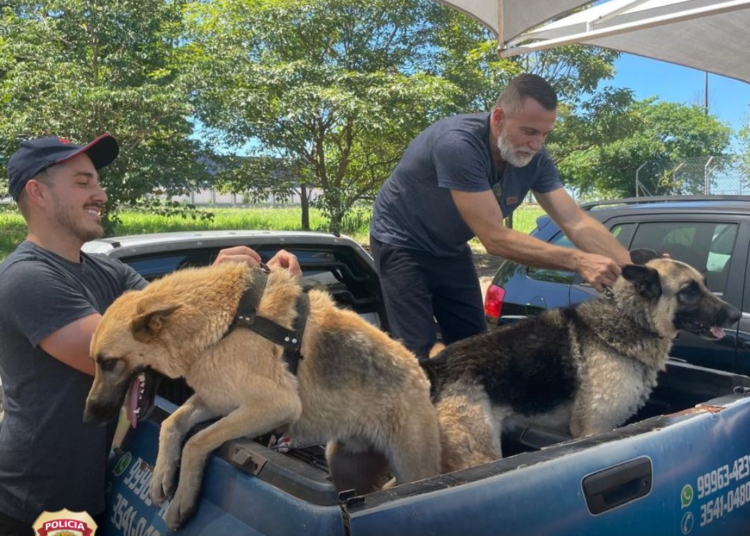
column 64, row 141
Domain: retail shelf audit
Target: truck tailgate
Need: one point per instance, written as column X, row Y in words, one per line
column 660, row 472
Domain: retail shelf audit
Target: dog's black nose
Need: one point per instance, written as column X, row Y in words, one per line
column 733, row 315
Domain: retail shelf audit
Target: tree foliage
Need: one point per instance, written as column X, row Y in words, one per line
column 316, row 97
column 335, row 87
column 743, row 138
column 653, row 136
column 77, row 68
column 340, row 87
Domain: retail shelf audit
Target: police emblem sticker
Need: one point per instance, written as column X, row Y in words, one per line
column 64, row 523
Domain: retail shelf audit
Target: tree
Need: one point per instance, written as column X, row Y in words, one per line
column 340, row 87
column 336, row 87
column 466, row 56
column 650, row 135
column 77, row 68
column 743, row 138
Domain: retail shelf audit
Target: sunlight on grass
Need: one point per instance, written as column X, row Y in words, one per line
column 524, row 221
column 12, row 230
column 355, row 225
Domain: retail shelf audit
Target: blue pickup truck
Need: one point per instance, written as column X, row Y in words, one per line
column 680, row 466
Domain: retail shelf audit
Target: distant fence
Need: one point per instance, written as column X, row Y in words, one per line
column 211, row 197
column 703, row 175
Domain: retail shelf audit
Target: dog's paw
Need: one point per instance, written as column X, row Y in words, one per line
column 162, row 484
column 181, row 510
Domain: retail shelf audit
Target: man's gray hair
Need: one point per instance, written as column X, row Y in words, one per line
column 526, row 86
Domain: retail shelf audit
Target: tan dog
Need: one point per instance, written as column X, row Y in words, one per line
column 355, row 388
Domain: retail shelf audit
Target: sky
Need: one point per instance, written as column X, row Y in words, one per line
column 728, row 99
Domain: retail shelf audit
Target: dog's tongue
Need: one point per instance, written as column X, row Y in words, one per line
column 132, row 399
column 717, row 332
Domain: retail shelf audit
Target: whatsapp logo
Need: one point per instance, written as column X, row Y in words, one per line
column 122, row 464
column 686, row 497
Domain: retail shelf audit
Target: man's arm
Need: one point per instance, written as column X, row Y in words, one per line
column 70, row 344
column 584, row 231
column 483, row 215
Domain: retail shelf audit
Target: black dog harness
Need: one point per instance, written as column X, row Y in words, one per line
column 247, row 317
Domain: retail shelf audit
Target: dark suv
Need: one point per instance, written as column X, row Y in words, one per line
column 711, row 233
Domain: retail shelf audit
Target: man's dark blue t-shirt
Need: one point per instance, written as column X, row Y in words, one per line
column 415, row 209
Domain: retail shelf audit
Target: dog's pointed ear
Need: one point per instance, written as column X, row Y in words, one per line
column 645, row 280
column 643, row 255
column 150, row 319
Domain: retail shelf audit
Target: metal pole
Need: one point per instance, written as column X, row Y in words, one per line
column 500, row 29
column 705, row 95
column 638, row 182
column 706, row 183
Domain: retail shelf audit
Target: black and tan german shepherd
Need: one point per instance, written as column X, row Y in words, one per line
column 582, row 370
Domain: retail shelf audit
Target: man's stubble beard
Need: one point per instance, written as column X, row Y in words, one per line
column 67, row 219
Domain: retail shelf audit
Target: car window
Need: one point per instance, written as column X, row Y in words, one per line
column 154, row 267
column 623, row 233
column 550, row 275
column 337, row 269
column 707, row 246
column 722, row 245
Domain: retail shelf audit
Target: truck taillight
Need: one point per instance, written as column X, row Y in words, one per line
column 493, row 301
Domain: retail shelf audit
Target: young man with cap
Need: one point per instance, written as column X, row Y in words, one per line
column 458, row 179
column 52, row 296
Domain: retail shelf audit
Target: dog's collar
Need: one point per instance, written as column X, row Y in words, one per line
column 611, row 299
column 247, row 317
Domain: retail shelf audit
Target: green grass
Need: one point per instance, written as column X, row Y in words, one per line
column 524, row 220
column 12, row 231
column 356, row 224
column 282, row 219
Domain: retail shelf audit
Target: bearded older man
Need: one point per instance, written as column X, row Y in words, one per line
column 458, row 179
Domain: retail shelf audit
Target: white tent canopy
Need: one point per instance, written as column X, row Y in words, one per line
column 710, row 35
column 513, row 17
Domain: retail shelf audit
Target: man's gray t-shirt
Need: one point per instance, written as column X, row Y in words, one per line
column 49, row 459
column 414, row 208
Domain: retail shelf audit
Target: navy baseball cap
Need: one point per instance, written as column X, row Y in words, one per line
column 34, row 156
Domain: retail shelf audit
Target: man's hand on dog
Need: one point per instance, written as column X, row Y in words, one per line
column 597, row 270
column 282, row 259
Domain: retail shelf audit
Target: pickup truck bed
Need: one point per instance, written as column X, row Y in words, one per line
column 681, row 466
column 625, row 482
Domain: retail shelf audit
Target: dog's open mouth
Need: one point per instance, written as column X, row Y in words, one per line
column 140, row 399
column 716, row 333
column 712, row 333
